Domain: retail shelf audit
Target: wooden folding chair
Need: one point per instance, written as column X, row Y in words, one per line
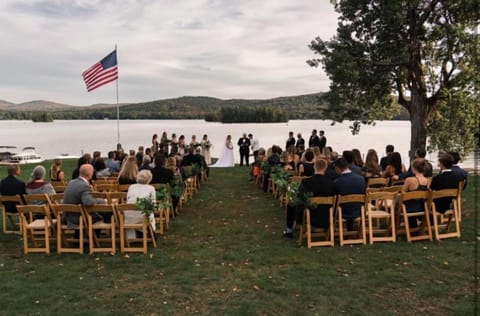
column 56, row 198
column 107, row 225
column 423, row 231
column 122, row 188
column 11, row 217
column 461, row 184
column 37, row 227
column 360, row 233
column 309, row 232
column 105, row 187
column 381, row 207
column 377, row 182
column 444, row 221
column 117, row 197
column 147, row 232
column 396, row 182
column 58, row 186
column 69, row 235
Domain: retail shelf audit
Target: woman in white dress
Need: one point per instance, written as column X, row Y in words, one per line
column 226, row 159
column 206, row 145
column 141, row 189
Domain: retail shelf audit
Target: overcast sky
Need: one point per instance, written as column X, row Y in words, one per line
column 166, row 48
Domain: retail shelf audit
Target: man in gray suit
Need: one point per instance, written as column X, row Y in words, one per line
column 79, row 191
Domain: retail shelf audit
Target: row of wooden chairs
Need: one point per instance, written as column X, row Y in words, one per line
column 381, row 218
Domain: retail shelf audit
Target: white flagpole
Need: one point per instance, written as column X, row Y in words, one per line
column 118, row 108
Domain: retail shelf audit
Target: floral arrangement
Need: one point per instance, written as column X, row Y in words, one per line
column 178, row 186
column 163, row 197
column 207, row 144
column 146, row 205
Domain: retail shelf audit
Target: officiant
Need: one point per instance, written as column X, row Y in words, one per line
column 244, row 143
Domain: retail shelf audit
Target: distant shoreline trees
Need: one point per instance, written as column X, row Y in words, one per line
column 237, row 114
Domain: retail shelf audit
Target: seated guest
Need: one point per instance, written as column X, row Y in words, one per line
column 112, row 164
column 319, row 185
column 79, row 191
column 417, row 182
column 38, row 185
column 385, row 161
column 357, row 158
column 129, row 171
column 420, row 153
column 56, row 173
column 306, row 167
column 446, row 179
column 160, row 174
column 96, row 156
column 141, row 189
column 287, row 162
column 348, row 183
column 395, row 167
column 191, row 158
column 12, row 185
column 203, row 162
column 101, row 169
column 350, row 157
column 146, row 163
column 85, row 159
column 139, row 158
column 461, row 174
column 371, row 169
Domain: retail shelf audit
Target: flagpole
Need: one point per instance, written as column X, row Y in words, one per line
column 118, row 111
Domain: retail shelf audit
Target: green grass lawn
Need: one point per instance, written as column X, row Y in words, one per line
column 225, row 255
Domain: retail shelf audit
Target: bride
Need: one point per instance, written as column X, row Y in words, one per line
column 226, row 159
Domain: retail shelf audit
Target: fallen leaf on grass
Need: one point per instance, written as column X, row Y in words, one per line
column 256, row 287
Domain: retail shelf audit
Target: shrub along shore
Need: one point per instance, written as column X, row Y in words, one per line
column 225, row 254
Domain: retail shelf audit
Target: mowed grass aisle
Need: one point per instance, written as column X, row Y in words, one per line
column 225, row 255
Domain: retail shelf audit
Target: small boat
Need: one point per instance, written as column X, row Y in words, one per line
column 27, row 155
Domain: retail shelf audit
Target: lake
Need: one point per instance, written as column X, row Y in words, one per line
column 75, row 137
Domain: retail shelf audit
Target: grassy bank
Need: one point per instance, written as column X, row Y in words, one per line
column 225, row 254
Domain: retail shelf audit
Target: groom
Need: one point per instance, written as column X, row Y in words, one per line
column 244, row 144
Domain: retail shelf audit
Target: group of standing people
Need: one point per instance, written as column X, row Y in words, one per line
column 246, row 145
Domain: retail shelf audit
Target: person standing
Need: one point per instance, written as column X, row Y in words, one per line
column 290, row 141
column 226, row 159
column 322, row 142
column 255, row 145
column 244, row 144
column 300, row 141
column 314, row 141
column 205, row 143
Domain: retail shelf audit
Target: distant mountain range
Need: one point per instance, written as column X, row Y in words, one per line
column 192, row 107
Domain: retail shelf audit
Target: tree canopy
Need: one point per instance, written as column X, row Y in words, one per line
column 424, row 53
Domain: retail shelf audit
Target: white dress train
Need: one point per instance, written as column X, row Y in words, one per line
column 226, row 159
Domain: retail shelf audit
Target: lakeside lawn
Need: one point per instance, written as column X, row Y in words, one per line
column 225, row 255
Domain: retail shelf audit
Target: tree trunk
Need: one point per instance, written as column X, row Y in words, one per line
column 418, row 121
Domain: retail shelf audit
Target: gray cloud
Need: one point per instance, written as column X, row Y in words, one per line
column 168, row 48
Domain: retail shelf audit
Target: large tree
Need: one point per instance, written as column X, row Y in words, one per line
column 421, row 54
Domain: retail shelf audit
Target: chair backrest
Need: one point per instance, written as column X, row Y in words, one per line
column 351, row 198
column 296, row 179
column 122, row 188
column 117, row 197
column 445, row 193
column 323, row 200
column 414, row 195
column 37, row 198
column 397, row 182
column 105, row 187
column 70, row 208
column 10, row 201
column 377, row 182
column 100, row 195
column 380, row 196
column 126, row 207
column 35, row 209
column 106, row 209
column 393, row 188
column 57, row 198
column 58, row 186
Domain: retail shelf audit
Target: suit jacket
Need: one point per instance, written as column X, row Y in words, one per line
column 314, row 141
column 444, row 180
column 322, row 142
column 350, row 183
column 11, row 185
column 290, row 142
column 300, row 141
column 78, row 191
column 461, row 174
column 318, row 185
column 244, row 143
column 161, row 175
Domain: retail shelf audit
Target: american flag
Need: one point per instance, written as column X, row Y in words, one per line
column 101, row 73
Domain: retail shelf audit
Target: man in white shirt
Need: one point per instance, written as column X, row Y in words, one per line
column 255, row 145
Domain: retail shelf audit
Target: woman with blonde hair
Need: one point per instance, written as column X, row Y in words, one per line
column 128, row 172
column 56, row 173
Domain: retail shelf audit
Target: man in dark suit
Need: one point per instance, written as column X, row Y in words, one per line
column 348, row 183
column 314, row 141
column 191, row 158
column 160, row 174
column 322, row 141
column 446, row 179
column 11, row 185
column 290, row 141
column 319, row 185
column 300, row 141
column 385, row 161
column 79, row 191
column 244, row 143
column 459, row 172
column 348, row 155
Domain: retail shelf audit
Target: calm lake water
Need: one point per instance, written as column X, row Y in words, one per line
column 77, row 137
